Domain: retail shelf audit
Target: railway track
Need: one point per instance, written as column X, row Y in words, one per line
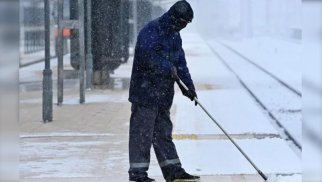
column 284, row 88
column 292, row 89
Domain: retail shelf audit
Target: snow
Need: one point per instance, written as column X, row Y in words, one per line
column 279, row 62
column 230, row 107
column 90, row 99
column 218, row 90
column 65, row 154
column 63, row 134
column 221, row 93
column 221, row 157
column 291, row 178
column 31, row 57
column 58, row 159
column 224, row 97
column 33, row 73
column 275, row 97
column 205, row 157
column 312, row 82
column 238, row 113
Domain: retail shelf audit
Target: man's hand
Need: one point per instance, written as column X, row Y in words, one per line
column 174, row 73
column 191, row 93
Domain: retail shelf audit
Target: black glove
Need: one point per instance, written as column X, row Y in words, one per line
column 174, row 74
column 191, row 93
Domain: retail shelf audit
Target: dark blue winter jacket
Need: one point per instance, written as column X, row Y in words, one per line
column 158, row 47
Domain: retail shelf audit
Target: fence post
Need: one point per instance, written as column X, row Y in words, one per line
column 89, row 56
column 81, row 51
column 47, row 73
column 60, row 54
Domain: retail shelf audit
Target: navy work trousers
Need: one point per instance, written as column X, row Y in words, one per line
column 152, row 126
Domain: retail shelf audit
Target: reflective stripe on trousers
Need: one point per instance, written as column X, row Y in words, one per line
column 168, row 162
column 139, row 165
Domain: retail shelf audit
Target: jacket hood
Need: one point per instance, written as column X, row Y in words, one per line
column 180, row 9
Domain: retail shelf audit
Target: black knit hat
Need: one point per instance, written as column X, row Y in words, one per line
column 182, row 9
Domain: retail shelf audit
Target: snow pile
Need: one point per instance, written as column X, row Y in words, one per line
column 274, row 178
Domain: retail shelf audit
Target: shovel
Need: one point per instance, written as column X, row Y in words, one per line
column 271, row 178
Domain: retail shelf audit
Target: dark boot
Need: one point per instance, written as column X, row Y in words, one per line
column 185, row 177
column 144, row 179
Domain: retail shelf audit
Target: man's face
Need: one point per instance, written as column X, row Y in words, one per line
column 179, row 23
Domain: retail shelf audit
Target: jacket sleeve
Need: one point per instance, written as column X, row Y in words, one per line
column 147, row 48
column 183, row 71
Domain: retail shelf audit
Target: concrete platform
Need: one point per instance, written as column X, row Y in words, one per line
column 89, row 142
column 223, row 178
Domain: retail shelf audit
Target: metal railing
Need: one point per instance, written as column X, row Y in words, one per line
column 34, row 40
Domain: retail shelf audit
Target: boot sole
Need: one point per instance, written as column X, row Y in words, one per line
column 186, row 180
column 135, row 180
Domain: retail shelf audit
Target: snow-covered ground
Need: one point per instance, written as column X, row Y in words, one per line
column 282, row 58
column 284, row 104
column 237, row 111
column 33, row 73
column 312, row 86
column 202, row 147
column 207, row 152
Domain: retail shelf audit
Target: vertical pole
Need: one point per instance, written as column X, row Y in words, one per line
column 89, row 56
column 135, row 20
column 60, row 74
column 47, row 73
column 81, row 51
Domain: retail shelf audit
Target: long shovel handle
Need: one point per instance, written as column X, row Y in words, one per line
column 224, row 131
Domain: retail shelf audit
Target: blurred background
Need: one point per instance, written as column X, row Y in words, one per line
column 86, row 42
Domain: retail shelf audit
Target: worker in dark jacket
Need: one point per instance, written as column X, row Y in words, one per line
column 159, row 62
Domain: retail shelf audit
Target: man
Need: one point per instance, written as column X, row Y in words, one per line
column 159, row 61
